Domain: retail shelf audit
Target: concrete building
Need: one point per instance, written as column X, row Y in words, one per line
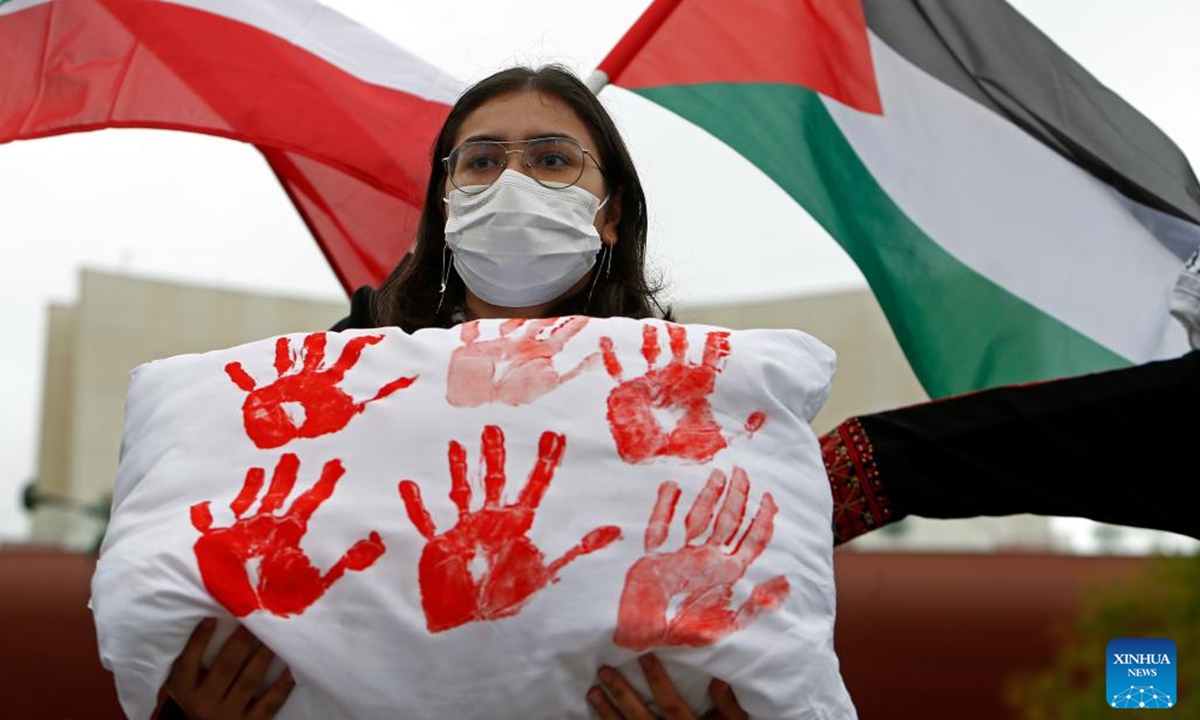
column 119, row 322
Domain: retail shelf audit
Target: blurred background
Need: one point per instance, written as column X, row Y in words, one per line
column 134, row 245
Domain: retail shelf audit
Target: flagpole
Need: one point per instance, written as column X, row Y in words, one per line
column 596, row 81
column 631, row 43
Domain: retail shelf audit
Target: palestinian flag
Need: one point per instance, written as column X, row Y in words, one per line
column 344, row 118
column 1016, row 220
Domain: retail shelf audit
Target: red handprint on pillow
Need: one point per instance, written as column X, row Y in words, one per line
column 515, row 368
column 485, row 567
column 311, row 391
column 286, row 582
column 680, row 389
column 702, row 573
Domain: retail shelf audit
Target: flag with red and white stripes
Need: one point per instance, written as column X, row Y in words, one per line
column 344, row 117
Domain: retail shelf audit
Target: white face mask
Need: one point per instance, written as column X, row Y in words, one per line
column 519, row 243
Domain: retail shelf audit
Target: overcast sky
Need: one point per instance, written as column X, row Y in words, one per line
column 198, row 209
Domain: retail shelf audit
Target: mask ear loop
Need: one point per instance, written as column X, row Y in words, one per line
column 446, row 267
column 604, row 263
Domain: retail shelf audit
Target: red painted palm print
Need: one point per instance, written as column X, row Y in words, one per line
column 287, row 583
column 312, row 392
column 485, row 567
column 515, row 368
column 677, row 393
column 697, row 579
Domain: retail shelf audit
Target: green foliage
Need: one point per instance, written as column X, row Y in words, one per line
column 1164, row 602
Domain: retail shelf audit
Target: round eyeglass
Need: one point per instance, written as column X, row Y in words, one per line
column 555, row 162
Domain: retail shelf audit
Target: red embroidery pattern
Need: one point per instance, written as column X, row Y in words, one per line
column 286, row 583
column 680, row 389
column 311, row 392
column 485, row 567
column 515, row 368
column 702, row 573
column 859, row 503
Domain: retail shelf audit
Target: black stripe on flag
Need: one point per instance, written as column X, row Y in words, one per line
column 989, row 52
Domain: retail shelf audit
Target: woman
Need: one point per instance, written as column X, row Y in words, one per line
column 441, row 284
column 520, row 149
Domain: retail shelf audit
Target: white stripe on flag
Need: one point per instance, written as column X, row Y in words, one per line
column 1179, row 236
column 329, row 35
column 1014, row 211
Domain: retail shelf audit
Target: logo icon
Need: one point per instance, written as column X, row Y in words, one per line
column 1141, row 673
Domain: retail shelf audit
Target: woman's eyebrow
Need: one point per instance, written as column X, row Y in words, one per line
column 481, row 137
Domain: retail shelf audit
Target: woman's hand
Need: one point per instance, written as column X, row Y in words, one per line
column 229, row 689
column 622, row 702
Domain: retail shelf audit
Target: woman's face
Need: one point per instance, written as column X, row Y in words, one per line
column 529, row 114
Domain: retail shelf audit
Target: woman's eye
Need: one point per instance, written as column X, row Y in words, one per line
column 480, row 162
column 555, row 161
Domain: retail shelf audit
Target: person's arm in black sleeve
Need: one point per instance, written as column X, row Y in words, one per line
column 362, row 311
column 1114, row 447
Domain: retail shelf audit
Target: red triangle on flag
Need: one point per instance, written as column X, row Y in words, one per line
column 817, row 44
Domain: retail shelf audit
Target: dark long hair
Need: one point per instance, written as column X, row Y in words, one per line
column 409, row 298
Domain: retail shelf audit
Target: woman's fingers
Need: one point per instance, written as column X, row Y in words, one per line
column 229, row 662
column 725, row 701
column 266, row 706
column 623, row 696
column 622, row 702
column 604, row 707
column 670, row 703
column 229, row 689
column 248, row 682
column 186, row 671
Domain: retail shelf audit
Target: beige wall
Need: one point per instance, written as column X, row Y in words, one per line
column 54, row 463
column 52, row 523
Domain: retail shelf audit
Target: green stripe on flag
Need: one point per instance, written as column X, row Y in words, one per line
column 959, row 330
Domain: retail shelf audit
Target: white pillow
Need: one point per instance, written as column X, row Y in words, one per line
column 467, row 523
